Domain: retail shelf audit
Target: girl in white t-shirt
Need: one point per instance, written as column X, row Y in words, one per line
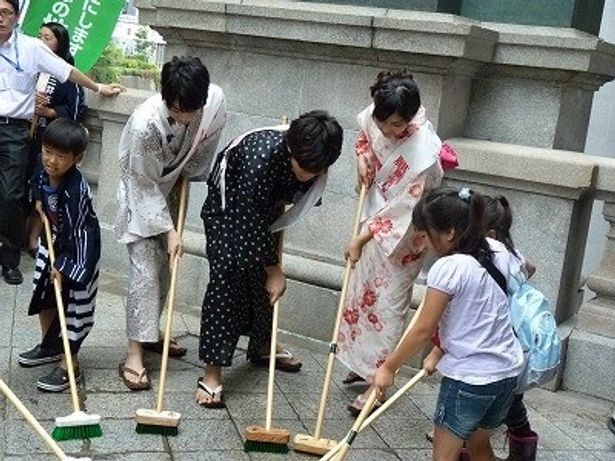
column 482, row 355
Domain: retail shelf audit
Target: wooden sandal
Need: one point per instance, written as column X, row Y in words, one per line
column 280, row 362
column 212, row 393
column 143, row 383
column 356, row 406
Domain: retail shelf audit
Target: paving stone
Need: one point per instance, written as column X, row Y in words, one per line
column 253, row 407
column 571, row 426
column 204, row 434
column 119, row 436
column 211, row 455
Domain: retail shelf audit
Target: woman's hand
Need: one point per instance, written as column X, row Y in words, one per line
column 384, row 378
column 354, row 250
column 276, row 283
column 175, row 245
column 365, row 170
column 355, row 247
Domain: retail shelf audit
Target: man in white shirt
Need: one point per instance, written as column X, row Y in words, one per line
column 22, row 58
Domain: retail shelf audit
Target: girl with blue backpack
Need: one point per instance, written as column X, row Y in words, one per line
column 470, row 307
column 522, row 440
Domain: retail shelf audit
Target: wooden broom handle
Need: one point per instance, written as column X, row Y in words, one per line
column 171, row 299
column 272, row 360
column 356, row 427
column 62, row 318
column 338, row 320
column 409, row 385
column 32, row 420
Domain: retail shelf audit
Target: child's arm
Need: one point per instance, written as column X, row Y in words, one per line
column 434, row 305
column 431, row 361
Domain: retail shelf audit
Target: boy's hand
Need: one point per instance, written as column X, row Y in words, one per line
column 385, row 377
column 365, row 170
column 175, row 245
column 276, row 283
column 38, row 206
column 56, row 275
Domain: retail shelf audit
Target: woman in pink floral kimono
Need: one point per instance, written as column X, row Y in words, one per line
column 398, row 158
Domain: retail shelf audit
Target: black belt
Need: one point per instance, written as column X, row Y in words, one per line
column 12, row 121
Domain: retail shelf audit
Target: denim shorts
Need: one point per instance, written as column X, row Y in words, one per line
column 463, row 408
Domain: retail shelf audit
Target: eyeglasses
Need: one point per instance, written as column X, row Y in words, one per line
column 6, row 13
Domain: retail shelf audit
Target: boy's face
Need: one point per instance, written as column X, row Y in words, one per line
column 57, row 162
column 301, row 174
column 185, row 118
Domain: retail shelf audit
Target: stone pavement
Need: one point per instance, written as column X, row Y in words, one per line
column 571, row 426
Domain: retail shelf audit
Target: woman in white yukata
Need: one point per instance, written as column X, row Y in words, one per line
column 398, row 158
column 171, row 135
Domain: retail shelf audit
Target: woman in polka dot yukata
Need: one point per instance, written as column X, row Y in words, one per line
column 251, row 181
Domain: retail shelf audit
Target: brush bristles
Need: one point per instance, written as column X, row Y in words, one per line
column 265, row 447
column 76, row 432
column 169, row 431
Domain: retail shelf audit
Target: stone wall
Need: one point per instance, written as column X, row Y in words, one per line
column 503, row 95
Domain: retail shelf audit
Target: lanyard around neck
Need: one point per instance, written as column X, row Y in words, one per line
column 15, row 63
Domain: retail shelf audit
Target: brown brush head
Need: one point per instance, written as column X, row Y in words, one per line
column 274, row 435
column 308, row 444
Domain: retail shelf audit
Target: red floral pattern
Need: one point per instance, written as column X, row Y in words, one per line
column 401, row 167
column 381, row 226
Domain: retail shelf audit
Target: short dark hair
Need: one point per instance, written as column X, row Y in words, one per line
column 315, row 140
column 442, row 209
column 184, row 83
column 14, row 4
column 61, row 34
column 66, row 135
column 395, row 93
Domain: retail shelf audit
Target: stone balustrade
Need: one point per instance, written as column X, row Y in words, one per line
column 492, row 90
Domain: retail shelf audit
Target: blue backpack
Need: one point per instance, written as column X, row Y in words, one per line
column 536, row 329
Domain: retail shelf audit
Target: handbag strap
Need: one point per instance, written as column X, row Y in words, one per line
column 493, row 271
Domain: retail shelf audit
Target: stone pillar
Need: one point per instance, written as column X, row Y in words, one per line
column 591, row 347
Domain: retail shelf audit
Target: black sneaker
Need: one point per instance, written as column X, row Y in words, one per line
column 57, row 380
column 38, row 356
column 12, row 275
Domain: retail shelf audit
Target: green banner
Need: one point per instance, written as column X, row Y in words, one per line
column 89, row 24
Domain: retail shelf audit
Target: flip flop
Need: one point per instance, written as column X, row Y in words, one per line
column 212, row 393
column 354, row 379
column 175, row 350
column 280, row 363
column 134, row 386
column 356, row 406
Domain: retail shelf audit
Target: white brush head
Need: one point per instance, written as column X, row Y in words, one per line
column 79, row 418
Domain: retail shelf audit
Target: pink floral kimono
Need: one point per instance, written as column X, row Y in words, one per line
column 380, row 290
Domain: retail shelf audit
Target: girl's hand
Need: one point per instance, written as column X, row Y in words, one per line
column 276, row 283
column 175, row 245
column 432, row 359
column 365, row 170
column 384, row 378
